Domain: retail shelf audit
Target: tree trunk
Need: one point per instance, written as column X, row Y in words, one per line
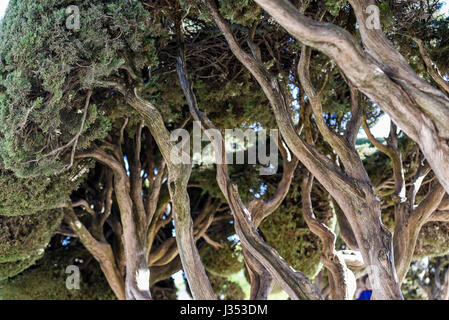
column 382, row 74
column 294, row 283
column 102, row 252
column 355, row 197
column 178, row 176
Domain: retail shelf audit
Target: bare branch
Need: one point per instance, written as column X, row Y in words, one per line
column 351, row 194
column 83, row 203
column 295, row 283
column 74, row 141
column 101, row 251
column 386, row 79
column 433, row 70
column 213, row 243
column 342, row 281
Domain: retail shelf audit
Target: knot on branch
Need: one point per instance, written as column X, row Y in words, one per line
column 382, row 255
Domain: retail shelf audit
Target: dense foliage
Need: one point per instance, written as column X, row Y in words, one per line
column 65, row 112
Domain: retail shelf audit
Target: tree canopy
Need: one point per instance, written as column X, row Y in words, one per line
column 90, row 160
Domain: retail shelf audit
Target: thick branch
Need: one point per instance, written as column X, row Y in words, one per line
column 294, row 283
column 101, row 251
column 385, row 82
column 134, row 240
column 355, row 197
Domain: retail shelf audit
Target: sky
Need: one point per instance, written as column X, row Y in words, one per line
column 3, row 5
column 446, row 7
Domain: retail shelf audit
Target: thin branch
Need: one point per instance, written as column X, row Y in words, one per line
column 85, row 204
column 295, row 283
column 74, row 140
column 431, row 68
column 213, row 243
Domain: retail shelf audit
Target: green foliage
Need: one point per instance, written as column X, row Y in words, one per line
column 244, row 12
column 294, row 242
column 433, row 240
column 24, row 196
column 23, row 239
column 410, row 287
column 234, row 104
column 13, row 268
column 46, row 70
column 226, row 289
column 428, row 270
column 334, row 7
column 425, row 21
column 224, row 261
column 288, row 233
column 47, row 279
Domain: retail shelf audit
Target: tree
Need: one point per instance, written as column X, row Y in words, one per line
column 89, row 151
column 46, row 279
column 24, row 239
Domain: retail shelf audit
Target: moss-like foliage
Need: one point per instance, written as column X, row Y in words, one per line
column 236, row 103
column 47, row 279
column 334, row 7
column 224, row 261
column 24, row 239
column 47, row 69
column 433, row 240
column 294, row 242
column 288, row 233
column 13, row 268
column 24, row 196
column 244, row 12
column 226, row 289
